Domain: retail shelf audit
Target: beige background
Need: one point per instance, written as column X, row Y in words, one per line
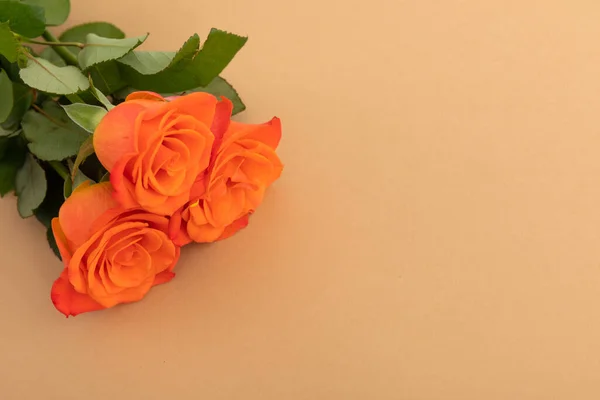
column 435, row 234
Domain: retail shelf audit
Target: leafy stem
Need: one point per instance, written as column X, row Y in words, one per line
column 71, row 44
column 65, row 54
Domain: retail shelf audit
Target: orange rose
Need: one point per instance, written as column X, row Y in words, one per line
column 154, row 148
column 243, row 165
column 112, row 255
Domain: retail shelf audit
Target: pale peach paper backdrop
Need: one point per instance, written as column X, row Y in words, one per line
column 435, row 234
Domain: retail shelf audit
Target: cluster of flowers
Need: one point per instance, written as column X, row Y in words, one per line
column 181, row 171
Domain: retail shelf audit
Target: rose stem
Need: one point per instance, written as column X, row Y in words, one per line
column 68, row 44
column 62, row 51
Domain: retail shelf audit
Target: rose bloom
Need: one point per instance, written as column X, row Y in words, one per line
column 111, row 255
column 242, row 166
column 154, row 148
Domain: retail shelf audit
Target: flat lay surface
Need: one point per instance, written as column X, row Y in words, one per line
column 434, row 235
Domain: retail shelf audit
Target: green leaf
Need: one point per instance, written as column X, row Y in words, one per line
column 218, row 50
column 107, row 77
column 6, row 96
column 11, row 68
column 8, row 43
column 187, row 69
column 100, row 96
column 72, row 184
column 52, row 137
column 99, row 49
column 105, row 177
column 52, row 56
column 86, row 150
column 85, row 115
column 50, row 206
column 153, row 62
column 123, row 93
column 149, row 62
column 22, row 99
column 79, row 33
column 161, row 71
column 53, row 200
column 219, row 87
column 52, row 243
column 10, row 163
column 43, row 75
column 24, row 19
column 30, row 187
column 56, row 11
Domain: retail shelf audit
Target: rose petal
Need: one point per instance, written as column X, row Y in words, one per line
column 163, row 277
column 123, row 188
column 129, row 295
column 199, row 229
column 223, row 210
column 86, row 204
column 200, row 105
column 134, row 272
column 232, row 229
column 177, row 230
column 115, row 136
column 68, row 301
column 268, row 133
column 222, row 118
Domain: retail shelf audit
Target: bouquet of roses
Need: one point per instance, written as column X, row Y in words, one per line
column 124, row 155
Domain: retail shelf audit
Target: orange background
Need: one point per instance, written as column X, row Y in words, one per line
column 435, row 234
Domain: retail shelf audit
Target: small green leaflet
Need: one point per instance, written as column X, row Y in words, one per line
column 85, row 115
column 30, row 186
column 99, row 49
column 8, row 43
column 24, row 19
column 161, row 71
column 149, row 62
column 56, row 11
column 100, row 96
column 54, row 199
column 22, row 98
column 216, row 53
column 43, row 75
column 52, row 137
column 79, row 33
column 153, row 62
column 107, row 77
column 52, row 56
column 6, row 94
column 12, row 69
